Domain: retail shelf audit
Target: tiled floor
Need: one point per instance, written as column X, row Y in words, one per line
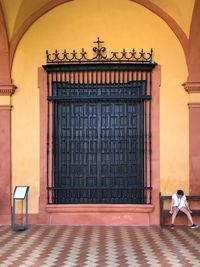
column 100, row 246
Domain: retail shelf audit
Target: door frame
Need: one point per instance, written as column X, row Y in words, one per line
column 119, row 214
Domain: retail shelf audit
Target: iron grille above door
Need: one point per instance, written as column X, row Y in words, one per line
column 99, row 133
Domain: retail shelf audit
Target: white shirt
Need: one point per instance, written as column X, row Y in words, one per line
column 179, row 202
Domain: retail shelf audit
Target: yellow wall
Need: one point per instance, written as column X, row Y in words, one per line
column 180, row 11
column 194, row 98
column 120, row 24
column 4, row 100
column 17, row 11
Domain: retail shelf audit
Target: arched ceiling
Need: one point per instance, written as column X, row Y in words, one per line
column 18, row 11
column 180, row 11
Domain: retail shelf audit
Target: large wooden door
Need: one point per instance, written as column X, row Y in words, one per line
column 98, row 143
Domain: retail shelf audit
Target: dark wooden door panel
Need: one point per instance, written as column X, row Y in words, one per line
column 98, row 145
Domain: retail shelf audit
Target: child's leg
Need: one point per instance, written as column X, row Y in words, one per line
column 186, row 211
column 175, row 212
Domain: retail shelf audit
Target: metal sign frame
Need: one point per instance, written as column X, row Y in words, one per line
column 20, row 194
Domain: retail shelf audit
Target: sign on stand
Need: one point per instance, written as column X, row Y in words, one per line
column 20, row 203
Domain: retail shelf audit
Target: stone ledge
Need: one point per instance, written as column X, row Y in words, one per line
column 98, row 208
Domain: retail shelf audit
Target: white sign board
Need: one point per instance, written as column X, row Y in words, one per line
column 20, row 192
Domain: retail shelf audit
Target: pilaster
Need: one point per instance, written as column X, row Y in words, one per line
column 193, row 88
column 5, row 152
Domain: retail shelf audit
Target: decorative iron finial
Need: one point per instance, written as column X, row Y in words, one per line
column 99, row 50
column 100, row 56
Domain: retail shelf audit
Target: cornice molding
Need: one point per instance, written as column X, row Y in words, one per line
column 7, row 89
column 192, row 87
column 194, row 105
column 5, row 107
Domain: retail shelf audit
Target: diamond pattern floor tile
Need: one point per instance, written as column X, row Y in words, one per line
column 100, row 246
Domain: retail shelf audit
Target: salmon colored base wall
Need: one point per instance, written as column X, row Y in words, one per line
column 99, row 214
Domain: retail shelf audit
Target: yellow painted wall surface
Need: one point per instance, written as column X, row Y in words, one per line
column 180, row 11
column 194, row 98
column 4, row 100
column 120, row 24
column 17, row 11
